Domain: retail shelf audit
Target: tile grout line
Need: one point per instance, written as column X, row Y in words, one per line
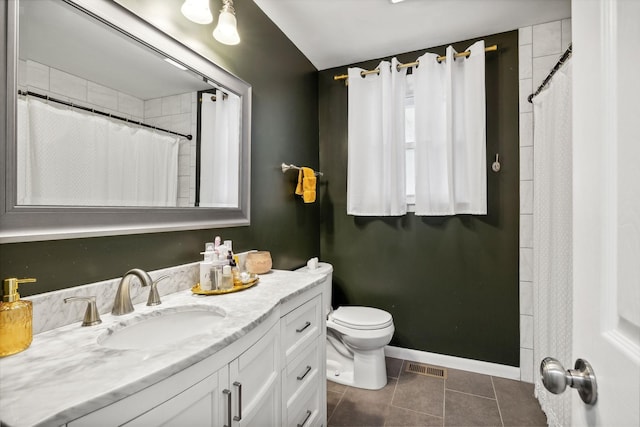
column 444, row 402
column 336, row 407
column 417, row 412
column 497, row 401
column 395, row 387
column 471, row 394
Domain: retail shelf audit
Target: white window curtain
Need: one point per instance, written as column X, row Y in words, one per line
column 450, row 133
column 376, row 161
column 220, row 141
column 108, row 163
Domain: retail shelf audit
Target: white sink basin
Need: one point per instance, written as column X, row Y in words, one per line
column 162, row 327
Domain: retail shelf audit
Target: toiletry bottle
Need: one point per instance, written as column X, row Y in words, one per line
column 205, row 271
column 227, row 280
column 216, row 277
column 230, row 259
column 16, row 318
column 235, row 272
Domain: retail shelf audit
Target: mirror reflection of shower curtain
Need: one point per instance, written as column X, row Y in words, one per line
column 106, row 163
column 219, row 150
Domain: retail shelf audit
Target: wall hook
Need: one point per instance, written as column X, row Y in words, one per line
column 496, row 165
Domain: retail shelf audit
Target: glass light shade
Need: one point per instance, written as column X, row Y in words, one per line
column 227, row 32
column 197, row 11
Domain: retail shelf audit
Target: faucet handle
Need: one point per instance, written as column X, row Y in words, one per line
column 91, row 316
column 154, row 296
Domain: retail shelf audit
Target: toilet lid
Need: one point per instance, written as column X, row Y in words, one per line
column 361, row 317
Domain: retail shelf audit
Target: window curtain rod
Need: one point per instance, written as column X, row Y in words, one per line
column 102, row 113
column 413, row 64
column 567, row 53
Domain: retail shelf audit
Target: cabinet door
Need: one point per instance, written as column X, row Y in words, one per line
column 199, row 405
column 255, row 383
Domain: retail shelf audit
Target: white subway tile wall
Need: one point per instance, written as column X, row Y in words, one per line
column 540, row 47
column 526, row 298
column 178, row 113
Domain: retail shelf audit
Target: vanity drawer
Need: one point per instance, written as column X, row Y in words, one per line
column 305, row 411
column 300, row 373
column 300, row 327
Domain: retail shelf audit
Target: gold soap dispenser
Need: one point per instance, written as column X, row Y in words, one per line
column 16, row 318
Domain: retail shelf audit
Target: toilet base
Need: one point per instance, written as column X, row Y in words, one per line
column 367, row 369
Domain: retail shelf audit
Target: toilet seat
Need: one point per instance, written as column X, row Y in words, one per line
column 361, row 318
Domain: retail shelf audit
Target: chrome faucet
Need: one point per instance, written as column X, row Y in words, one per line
column 122, row 304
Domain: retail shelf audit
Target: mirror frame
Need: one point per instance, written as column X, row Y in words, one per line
column 35, row 223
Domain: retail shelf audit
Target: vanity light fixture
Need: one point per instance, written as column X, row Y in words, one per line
column 197, row 11
column 227, row 31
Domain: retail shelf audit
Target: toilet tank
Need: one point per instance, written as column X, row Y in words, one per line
column 326, row 270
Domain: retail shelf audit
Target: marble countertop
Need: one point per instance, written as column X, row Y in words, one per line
column 65, row 373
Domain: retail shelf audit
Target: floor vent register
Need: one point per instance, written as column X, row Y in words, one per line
column 430, row 371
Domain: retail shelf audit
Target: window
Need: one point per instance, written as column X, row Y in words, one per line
column 410, row 145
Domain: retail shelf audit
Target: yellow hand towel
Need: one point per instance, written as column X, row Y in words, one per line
column 306, row 185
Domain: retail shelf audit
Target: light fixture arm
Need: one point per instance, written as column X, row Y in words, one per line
column 227, row 6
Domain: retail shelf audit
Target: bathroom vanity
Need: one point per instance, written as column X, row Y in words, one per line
column 255, row 357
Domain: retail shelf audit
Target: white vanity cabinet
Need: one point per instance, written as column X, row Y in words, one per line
column 303, row 353
column 272, row 376
column 242, row 393
column 254, row 384
column 211, row 392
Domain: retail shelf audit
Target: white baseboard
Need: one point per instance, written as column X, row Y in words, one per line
column 454, row 362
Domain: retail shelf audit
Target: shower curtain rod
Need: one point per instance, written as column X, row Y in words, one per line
column 413, row 64
column 102, row 113
column 567, row 53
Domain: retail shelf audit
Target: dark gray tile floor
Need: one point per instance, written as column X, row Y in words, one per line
column 408, row 399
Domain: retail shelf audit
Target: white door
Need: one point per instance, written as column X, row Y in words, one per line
column 606, row 210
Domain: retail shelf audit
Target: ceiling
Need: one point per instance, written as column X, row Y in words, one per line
column 332, row 33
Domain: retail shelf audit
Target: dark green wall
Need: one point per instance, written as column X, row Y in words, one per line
column 284, row 129
column 451, row 283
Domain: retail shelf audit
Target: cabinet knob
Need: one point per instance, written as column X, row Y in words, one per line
column 306, row 325
column 301, row 377
column 305, row 419
column 239, row 416
column 228, row 393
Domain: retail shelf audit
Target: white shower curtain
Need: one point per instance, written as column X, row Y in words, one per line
column 376, row 161
column 219, row 140
column 70, row 158
column 450, row 134
column 552, row 239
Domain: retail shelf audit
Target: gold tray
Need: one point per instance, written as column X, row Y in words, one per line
column 196, row 289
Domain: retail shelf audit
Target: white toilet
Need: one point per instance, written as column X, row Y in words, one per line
column 356, row 337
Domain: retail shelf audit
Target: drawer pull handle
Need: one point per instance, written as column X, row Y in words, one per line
column 306, row 325
column 228, row 393
column 305, row 418
column 301, row 377
column 239, row 416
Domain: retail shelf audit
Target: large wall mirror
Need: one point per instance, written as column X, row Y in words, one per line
column 112, row 127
